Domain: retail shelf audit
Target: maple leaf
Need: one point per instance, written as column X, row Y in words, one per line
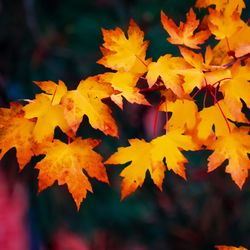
column 224, row 20
column 165, row 147
column 188, row 110
column 168, row 67
column 223, row 71
column 184, row 34
column 122, row 53
column 16, row 131
column 125, row 83
column 202, row 73
column 237, row 89
column 168, row 147
column 65, row 163
column 224, row 247
column 48, row 116
column 87, row 100
column 234, row 147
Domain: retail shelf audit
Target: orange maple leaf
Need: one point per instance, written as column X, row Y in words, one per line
column 164, row 147
column 234, row 147
column 16, row 131
column 184, row 34
column 87, row 100
column 122, row 53
column 65, row 163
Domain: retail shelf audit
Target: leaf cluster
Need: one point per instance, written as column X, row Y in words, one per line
column 220, row 74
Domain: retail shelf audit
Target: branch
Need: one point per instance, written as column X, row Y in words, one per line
column 241, row 58
column 155, row 88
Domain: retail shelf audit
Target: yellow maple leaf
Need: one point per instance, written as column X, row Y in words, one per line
column 205, row 3
column 16, row 131
column 224, row 23
column 239, row 42
column 65, row 163
column 125, row 83
column 236, row 89
column 48, row 116
column 222, row 4
column 213, row 116
column 184, row 114
column 184, row 34
column 194, row 59
column 202, row 73
column 122, row 53
column 87, row 100
column 169, row 146
column 168, row 67
column 165, row 147
column 223, row 26
column 54, row 91
column 234, row 147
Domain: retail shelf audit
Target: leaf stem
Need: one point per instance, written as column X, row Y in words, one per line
column 223, row 79
column 218, row 105
column 53, row 97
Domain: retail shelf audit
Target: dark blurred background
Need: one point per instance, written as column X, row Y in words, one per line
column 59, row 39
